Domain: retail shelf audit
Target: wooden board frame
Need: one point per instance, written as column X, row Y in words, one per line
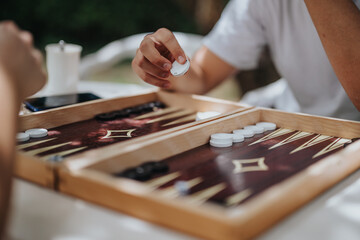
column 43, row 173
column 94, row 183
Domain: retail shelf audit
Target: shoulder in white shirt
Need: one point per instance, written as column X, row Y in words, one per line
column 246, row 26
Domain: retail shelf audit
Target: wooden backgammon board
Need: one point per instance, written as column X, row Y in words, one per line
column 234, row 193
column 94, row 129
column 231, row 193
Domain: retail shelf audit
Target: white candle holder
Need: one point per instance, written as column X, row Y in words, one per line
column 62, row 61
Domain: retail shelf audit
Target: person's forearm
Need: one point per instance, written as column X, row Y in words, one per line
column 338, row 25
column 9, row 105
column 206, row 72
column 193, row 81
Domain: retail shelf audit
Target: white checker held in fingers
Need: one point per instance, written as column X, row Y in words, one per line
column 246, row 133
column 37, row 132
column 267, row 125
column 256, row 129
column 178, row 69
column 22, row 137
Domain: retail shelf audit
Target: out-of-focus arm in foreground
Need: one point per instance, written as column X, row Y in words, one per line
column 21, row 75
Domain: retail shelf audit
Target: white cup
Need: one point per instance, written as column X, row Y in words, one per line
column 63, row 68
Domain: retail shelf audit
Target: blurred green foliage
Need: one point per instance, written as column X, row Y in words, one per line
column 94, row 23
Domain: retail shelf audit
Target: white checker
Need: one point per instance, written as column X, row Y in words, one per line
column 220, row 144
column 238, row 138
column 246, row 133
column 37, row 132
column 222, row 137
column 256, row 129
column 178, row 69
column 22, row 137
column 205, row 115
column 221, row 141
column 267, row 125
column 182, row 187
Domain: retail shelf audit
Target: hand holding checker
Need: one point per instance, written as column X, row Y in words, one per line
column 155, row 57
column 160, row 54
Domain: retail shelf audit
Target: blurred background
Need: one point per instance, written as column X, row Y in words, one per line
column 95, row 23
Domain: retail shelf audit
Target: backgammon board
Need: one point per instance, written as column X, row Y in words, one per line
column 94, row 129
column 233, row 193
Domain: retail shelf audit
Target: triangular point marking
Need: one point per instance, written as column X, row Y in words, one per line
column 292, row 138
column 313, row 141
column 277, row 133
column 339, row 142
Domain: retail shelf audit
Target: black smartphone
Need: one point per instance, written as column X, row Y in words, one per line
column 44, row 103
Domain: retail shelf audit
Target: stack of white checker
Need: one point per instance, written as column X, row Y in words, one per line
column 238, row 135
column 31, row 133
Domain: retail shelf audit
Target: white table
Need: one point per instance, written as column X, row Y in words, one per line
column 42, row 214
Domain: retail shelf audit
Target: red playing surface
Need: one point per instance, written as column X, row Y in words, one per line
column 89, row 133
column 215, row 165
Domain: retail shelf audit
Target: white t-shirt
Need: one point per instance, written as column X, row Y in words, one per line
column 285, row 25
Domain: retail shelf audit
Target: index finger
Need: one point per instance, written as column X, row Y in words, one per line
column 168, row 39
column 27, row 38
column 10, row 25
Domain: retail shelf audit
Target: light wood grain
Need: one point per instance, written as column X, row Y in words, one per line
column 308, row 123
column 136, row 200
column 199, row 103
column 34, row 170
